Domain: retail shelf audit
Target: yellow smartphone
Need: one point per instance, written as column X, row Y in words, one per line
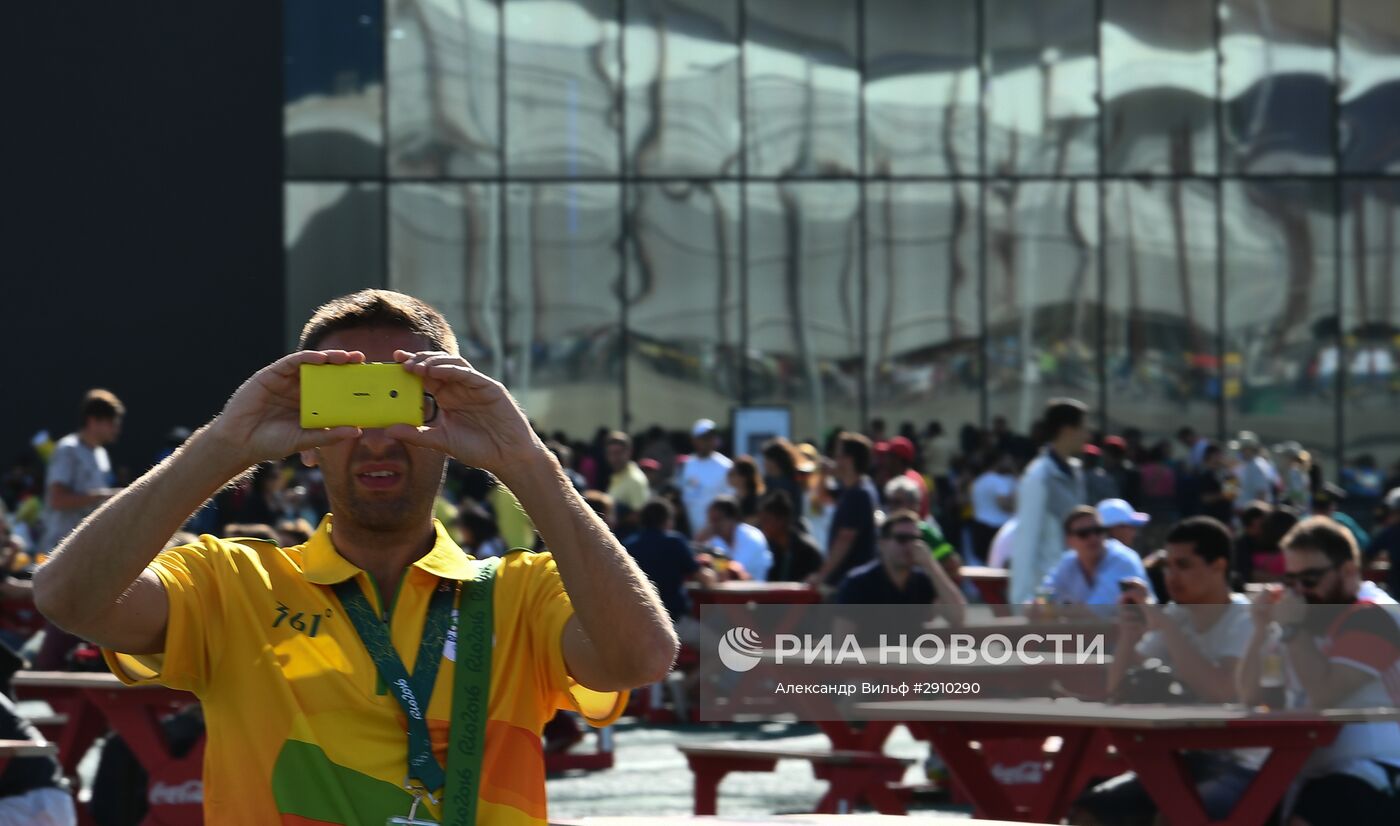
column 360, row 395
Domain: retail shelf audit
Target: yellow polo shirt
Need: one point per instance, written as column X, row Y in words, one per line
column 300, row 728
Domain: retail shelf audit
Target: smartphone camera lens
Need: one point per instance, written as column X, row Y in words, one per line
column 393, row 394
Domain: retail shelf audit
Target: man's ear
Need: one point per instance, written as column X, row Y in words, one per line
column 310, row 458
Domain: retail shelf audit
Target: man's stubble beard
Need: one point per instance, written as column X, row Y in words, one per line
column 404, row 512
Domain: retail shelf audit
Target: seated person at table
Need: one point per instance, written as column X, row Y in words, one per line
column 1348, row 657
column 795, row 554
column 728, row 533
column 32, row 789
column 1268, row 563
column 667, row 560
column 1089, row 572
column 902, row 494
column 1202, row 645
column 905, row 573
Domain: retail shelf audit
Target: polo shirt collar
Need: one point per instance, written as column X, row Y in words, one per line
column 322, row 564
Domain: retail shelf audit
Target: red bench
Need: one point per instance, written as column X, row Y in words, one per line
column 855, row 777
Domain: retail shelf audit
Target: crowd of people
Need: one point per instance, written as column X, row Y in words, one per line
column 873, row 517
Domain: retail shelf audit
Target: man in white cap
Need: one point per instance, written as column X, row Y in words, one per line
column 704, row 475
column 1123, row 524
column 1122, row 521
column 1258, row 478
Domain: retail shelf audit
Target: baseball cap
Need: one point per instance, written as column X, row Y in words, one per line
column 1091, row 450
column 1392, row 499
column 1116, row 441
column 1245, row 438
column 649, row 464
column 903, row 448
column 810, row 455
column 1115, row 512
column 703, row 426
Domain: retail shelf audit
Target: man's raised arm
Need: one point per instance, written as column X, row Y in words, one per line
column 96, row 583
column 620, row 636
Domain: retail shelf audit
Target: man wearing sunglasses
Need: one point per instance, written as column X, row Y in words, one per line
column 1340, row 650
column 905, row 573
column 1089, row 572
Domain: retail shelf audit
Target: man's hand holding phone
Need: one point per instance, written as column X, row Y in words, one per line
column 262, row 419
column 1133, row 595
column 478, row 422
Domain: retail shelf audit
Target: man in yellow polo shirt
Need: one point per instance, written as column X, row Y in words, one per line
column 376, row 673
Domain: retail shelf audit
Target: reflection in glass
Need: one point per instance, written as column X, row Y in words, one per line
column 1281, row 355
column 1159, row 86
column 683, row 87
column 562, row 78
column 1162, row 303
column 921, row 87
column 683, row 303
column 333, row 87
column 800, row 73
column 803, row 293
column 1371, row 296
column 1370, row 40
column 443, row 87
column 1042, row 297
column 564, row 316
column 922, row 302
column 444, row 249
column 1277, row 84
column 1041, row 115
column 334, row 242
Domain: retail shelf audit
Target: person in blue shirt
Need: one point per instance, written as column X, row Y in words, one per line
column 669, row 562
column 1089, row 572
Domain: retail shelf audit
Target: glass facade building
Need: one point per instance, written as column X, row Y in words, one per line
column 644, row 211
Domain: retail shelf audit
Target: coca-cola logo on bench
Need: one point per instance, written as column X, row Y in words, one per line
column 191, row 792
column 1028, row 772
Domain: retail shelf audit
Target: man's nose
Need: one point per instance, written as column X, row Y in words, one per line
column 377, row 440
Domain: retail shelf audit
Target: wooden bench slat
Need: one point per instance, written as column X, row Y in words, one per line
column 741, row 750
column 27, row 748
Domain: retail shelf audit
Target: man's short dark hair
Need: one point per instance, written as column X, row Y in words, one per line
column 895, row 518
column 1186, row 432
column 858, row 448
column 1063, row 413
column 1080, row 511
column 777, row 504
column 1322, row 533
column 100, row 404
column 727, row 506
column 1258, row 509
column 378, row 308
column 656, row 513
column 1208, row 538
column 1277, row 524
column 1212, row 449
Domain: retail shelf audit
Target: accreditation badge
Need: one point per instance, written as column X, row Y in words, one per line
column 412, row 819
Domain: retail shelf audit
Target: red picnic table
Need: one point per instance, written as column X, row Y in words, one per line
column 94, row 702
column 749, row 591
column 991, row 583
column 1148, row 738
